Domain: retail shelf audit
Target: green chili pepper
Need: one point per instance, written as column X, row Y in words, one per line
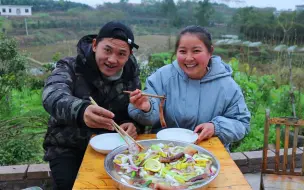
column 155, row 147
column 147, row 183
column 133, row 174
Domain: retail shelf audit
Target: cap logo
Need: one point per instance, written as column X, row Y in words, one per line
column 129, row 41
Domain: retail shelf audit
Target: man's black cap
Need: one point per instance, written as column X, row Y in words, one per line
column 107, row 32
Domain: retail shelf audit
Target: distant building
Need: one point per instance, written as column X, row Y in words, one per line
column 277, row 13
column 299, row 7
column 230, row 36
column 15, row 10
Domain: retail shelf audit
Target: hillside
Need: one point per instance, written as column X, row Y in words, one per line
column 75, row 16
column 46, row 5
column 148, row 44
column 65, row 23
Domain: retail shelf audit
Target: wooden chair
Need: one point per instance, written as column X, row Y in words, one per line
column 280, row 176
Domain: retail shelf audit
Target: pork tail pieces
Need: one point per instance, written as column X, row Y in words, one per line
column 161, row 113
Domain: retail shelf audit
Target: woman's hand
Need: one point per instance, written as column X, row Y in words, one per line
column 130, row 129
column 207, row 131
column 139, row 101
column 98, row 117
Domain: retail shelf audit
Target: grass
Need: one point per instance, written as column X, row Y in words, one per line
column 41, row 14
column 26, row 101
column 44, row 53
column 23, row 124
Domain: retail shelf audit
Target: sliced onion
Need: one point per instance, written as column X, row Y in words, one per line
column 161, row 145
column 124, row 165
column 123, row 158
column 175, row 150
column 126, row 177
column 132, row 165
column 176, row 170
column 148, row 153
column 189, row 158
column 213, row 170
column 170, row 179
column 134, row 168
column 134, row 149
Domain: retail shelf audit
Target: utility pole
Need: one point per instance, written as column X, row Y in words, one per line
column 25, row 25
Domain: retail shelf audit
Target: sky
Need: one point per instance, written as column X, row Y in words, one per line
column 279, row 4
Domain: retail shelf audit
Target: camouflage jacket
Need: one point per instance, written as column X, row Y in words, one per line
column 66, row 96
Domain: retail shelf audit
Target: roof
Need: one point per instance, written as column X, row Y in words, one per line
column 15, row 6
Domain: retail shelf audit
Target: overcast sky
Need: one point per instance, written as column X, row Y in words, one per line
column 279, row 4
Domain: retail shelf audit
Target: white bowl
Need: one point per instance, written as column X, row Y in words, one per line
column 179, row 134
column 106, row 142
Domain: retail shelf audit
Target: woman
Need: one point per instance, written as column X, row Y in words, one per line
column 103, row 69
column 200, row 92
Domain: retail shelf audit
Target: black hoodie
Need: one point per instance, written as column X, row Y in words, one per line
column 66, row 96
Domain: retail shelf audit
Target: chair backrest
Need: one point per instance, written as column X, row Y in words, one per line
column 287, row 124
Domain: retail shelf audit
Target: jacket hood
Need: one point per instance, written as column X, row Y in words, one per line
column 217, row 69
column 84, row 45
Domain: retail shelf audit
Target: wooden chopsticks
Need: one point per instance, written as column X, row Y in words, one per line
column 124, row 133
column 120, row 131
column 150, row 95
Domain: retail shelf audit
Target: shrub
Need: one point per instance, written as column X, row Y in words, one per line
column 35, row 82
column 221, row 52
column 20, row 151
column 262, row 92
column 156, row 61
column 22, row 127
column 12, row 66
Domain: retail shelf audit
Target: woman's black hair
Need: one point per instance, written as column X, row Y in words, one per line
column 201, row 32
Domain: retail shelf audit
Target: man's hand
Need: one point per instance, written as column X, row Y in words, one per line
column 207, row 131
column 98, row 117
column 130, row 129
column 166, row 187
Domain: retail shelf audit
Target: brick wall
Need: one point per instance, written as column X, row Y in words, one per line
column 251, row 162
column 23, row 176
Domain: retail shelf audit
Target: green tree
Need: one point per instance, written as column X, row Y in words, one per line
column 204, row 12
column 241, row 16
column 56, row 57
column 286, row 22
column 300, row 17
column 148, row 2
column 169, row 9
column 12, row 64
column 186, row 9
column 255, row 24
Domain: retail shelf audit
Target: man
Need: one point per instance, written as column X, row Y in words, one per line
column 103, row 69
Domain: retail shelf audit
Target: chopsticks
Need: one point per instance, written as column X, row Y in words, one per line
column 123, row 134
column 120, row 131
column 150, row 95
